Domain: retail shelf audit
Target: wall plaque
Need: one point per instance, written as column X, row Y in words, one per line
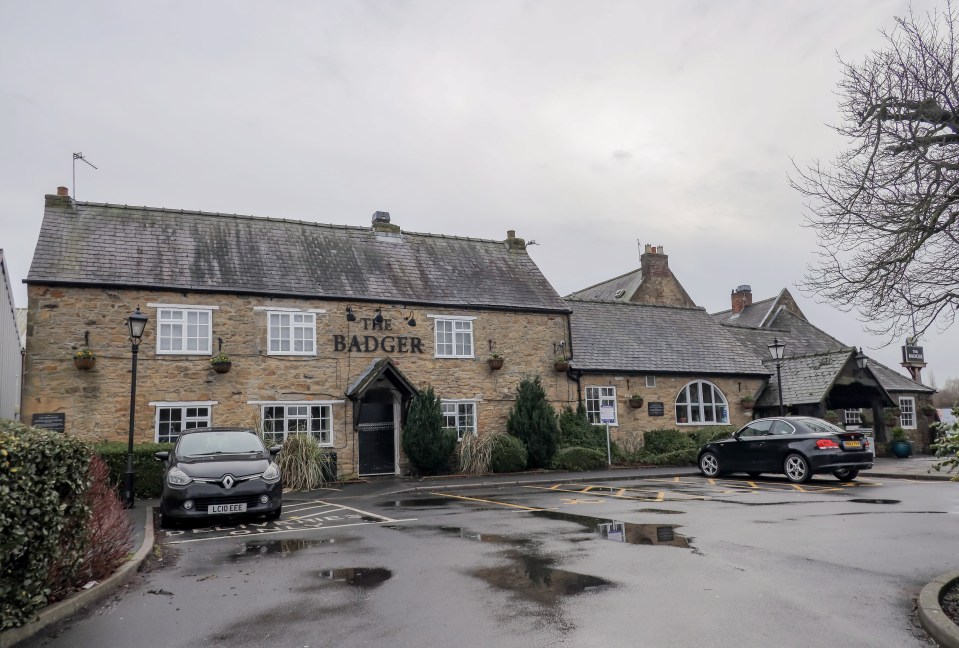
column 655, row 409
column 50, row 421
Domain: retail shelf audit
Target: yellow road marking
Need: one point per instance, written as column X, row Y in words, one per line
column 620, row 492
column 555, row 487
column 576, row 500
column 712, row 482
column 486, row 501
column 660, row 496
column 799, row 488
column 752, row 484
column 587, row 489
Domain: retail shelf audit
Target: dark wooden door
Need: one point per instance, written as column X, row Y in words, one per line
column 377, row 439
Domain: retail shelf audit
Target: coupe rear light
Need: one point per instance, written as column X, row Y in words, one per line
column 825, row 444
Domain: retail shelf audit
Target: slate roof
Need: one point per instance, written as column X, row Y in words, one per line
column 116, row 245
column 627, row 337
column 751, row 315
column 893, row 381
column 608, row 290
column 806, row 379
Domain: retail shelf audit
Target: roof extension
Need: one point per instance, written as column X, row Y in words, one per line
column 116, row 245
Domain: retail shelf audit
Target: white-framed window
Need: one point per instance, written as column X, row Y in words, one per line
column 701, row 403
column 453, row 337
column 907, row 404
column 184, row 330
column 597, row 397
column 291, row 333
column 459, row 415
column 283, row 419
column 853, row 417
column 650, row 381
column 172, row 418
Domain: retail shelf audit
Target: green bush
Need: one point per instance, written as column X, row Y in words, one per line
column 147, row 471
column 473, row 454
column 579, row 459
column 533, row 420
column 656, row 442
column 674, row 458
column 946, row 445
column 427, row 445
column 508, row 454
column 706, row 435
column 43, row 514
column 575, row 430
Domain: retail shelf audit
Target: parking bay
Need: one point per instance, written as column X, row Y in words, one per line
column 673, row 561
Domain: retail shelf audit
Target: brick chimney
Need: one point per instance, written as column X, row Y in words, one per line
column 742, row 297
column 653, row 262
column 63, row 191
column 381, row 223
column 61, row 199
column 513, row 242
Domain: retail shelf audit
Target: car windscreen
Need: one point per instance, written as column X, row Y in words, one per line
column 210, row 443
column 818, row 425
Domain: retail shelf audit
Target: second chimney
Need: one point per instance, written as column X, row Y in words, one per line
column 742, row 297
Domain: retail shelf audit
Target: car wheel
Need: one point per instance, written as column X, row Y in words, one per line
column 797, row 469
column 845, row 474
column 754, row 475
column 709, row 464
column 274, row 515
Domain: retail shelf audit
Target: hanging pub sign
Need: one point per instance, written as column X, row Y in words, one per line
column 912, row 354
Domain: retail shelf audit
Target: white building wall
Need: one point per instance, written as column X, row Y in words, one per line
column 11, row 362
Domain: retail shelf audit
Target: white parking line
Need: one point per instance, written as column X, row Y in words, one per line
column 234, row 535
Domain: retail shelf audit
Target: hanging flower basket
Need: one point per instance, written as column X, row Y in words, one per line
column 495, row 363
column 84, row 359
column 221, row 363
column 747, row 402
column 928, row 409
column 635, row 401
column 561, row 365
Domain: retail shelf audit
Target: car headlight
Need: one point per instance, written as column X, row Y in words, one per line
column 177, row 477
column 271, row 474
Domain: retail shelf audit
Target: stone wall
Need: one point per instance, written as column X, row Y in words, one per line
column 633, row 423
column 96, row 402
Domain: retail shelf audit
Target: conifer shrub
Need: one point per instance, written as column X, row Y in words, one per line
column 427, row 445
column 533, row 420
column 575, row 430
column 507, row 455
column 579, row 459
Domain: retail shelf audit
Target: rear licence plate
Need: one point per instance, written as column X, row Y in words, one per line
column 851, row 444
column 226, row 508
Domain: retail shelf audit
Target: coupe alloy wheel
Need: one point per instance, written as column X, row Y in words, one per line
column 709, row 464
column 797, row 469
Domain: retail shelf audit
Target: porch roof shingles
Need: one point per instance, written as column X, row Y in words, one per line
column 102, row 244
column 627, row 337
column 806, row 379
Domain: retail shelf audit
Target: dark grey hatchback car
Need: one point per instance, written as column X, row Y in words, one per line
column 796, row 446
column 219, row 472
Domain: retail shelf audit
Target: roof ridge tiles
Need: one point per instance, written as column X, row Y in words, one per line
column 276, row 219
column 606, row 281
column 629, row 304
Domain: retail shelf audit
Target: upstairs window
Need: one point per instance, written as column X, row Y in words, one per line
column 184, row 331
column 173, row 418
column 292, row 333
column 701, row 403
column 454, row 337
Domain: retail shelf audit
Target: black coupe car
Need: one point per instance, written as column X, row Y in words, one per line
column 797, row 446
column 219, row 472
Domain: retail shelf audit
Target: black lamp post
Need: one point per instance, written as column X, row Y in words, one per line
column 861, row 360
column 137, row 322
column 776, row 351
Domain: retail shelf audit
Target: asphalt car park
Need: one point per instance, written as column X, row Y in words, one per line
column 671, row 561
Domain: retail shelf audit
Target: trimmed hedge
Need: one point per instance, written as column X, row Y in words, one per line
column 147, row 471
column 43, row 516
column 508, row 454
column 579, row 459
column 677, row 447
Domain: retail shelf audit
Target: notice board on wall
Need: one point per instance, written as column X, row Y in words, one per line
column 50, row 421
column 656, row 409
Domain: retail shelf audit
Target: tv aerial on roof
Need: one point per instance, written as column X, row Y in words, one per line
column 78, row 156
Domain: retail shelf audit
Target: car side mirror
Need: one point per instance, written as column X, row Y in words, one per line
column 275, row 450
column 161, row 456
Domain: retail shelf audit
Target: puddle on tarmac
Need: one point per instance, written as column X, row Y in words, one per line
column 641, row 534
column 485, row 537
column 661, row 511
column 365, row 577
column 534, row 578
column 282, row 547
column 874, row 501
column 416, row 503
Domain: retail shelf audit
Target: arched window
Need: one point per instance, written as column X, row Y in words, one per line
column 701, row 403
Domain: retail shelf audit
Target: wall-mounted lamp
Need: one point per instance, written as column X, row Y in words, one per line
column 350, row 315
column 410, row 320
column 378, row 318
column 861, row 360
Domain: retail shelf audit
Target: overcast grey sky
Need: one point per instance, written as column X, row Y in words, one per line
column 588, row 126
